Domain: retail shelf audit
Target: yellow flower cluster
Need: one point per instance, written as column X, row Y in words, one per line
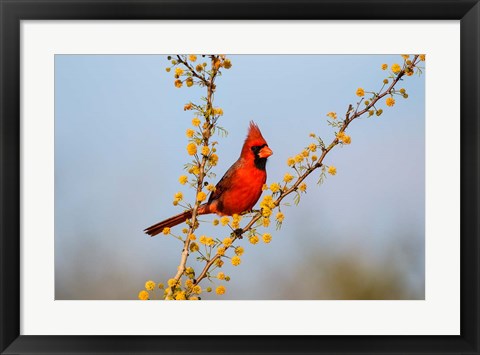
column 205, row 150
column 360, row 92
column 274, row 187
column 253, row 239
column 201, row 196
column 384, row 66
column 196, row 121
column 236, row 221
column 236, row 260
column 267, row 238
column 224, row 220
column 332, row 170
column 332, row 114
column 267, row 205
column 287, row 177
column 150, row 285
column 192, row 57
column 221, row 276
column 192, row 148
column 220, row 290
column 183, row 179
column 166, row 230
column 344, row 138
column 227, row 242
column 280, row 217
column 239, row 251
column 396, row 68
column 217, row 111
column 189, row 133
column 143, row 295
column 390, row 101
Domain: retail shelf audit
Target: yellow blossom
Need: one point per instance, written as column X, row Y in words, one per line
column 302, row 187
column 187, row 107
column 224, row 220
column 210, row 187
column 384, row 66
column 192, row 237
column 192, row 57
column 179, row 196
column 189, row 283
column 215, row 222
column 287, row 177
column 149, row 285
column 236, row 260
column 172, row 282
column 178, row 71
column 390, row 101
column 168, row 70
column 205, row 150
column 178, row 83
column 183, row 179
column 332, row 170
column 195, row 121
column 396, row 68
column 197, row 289
column 220, row 290
column 143, row 295
column 199, row 68
column 405, row 56
column 239, row 251
column 280, row 217
column 298, row 158
column 253, row 239
column 194, row 247
column 210, row 242
column 266, row 221
column 314, row 157
column 221, row 251
column 218, row 111
column 213, row 159
column 189, row 82
column 192, row 148
column 344, row 138
column 267, row 238
column 160, row 285
column 360, row 92
column 166, row 230
column 305, row 153
column 221, row 276
column 201, row 196
column 219, row 262
column 312, row 147
column 203, row 239
column 236, row 221
column 264, row 187
column 227, row 64
column 194, row 170
column 180, row 296
column 227, row 242
column 422, row 57
column 189, row 133
column 274, row 187
column 331, row 114
column 290, row 161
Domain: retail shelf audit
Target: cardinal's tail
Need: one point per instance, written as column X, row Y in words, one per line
column 173, row 221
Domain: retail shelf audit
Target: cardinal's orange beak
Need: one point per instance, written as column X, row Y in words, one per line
column 265, row 152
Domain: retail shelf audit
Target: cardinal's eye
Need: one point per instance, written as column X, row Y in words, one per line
column 257, row 148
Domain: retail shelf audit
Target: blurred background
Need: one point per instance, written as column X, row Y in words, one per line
column 120, row 148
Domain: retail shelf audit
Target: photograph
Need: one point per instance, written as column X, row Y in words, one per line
column 239, row 177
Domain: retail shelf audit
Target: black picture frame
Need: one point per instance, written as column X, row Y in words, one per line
column 12, row 12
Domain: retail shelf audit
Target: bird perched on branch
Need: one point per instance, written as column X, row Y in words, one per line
column 238, row 190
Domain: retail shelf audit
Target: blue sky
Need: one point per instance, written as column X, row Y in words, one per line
column 120, row 148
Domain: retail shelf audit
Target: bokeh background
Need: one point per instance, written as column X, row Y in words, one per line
column 120, row 148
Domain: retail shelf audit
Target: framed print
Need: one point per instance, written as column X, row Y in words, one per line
column 305, row 174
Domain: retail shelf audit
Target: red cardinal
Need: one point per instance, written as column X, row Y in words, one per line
column 238, row 190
